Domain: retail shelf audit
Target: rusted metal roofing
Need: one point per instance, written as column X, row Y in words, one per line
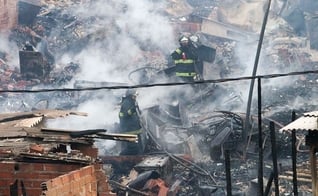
column 307, row 122
column 311, row 114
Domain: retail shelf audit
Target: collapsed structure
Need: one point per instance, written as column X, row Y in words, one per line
column 188, row 140
column 36, row 161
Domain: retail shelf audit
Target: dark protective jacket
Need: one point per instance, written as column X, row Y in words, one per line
column 130, row 124
column 185, row 58
column 128, row 117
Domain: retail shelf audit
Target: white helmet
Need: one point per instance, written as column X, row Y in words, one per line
column 184, row 39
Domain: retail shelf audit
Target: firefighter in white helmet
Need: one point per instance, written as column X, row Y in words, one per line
column 185, row 58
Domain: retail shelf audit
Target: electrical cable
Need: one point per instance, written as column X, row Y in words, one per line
column 162, row 84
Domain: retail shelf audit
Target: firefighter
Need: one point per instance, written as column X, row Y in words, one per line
column 129, row 121
column 185, row 58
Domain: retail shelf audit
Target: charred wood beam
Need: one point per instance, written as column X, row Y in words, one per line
column 86, row 132
column 53, row 158
column 17, row 117
column 95, row 134
column 74, row 133
column 274, row 155
column 116, row 137
column 62, row 139
column 228, row 173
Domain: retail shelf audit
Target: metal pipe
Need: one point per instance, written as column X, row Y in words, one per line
column 274, row 155
column 294, row 155
column 250, row 95
column 228, row 172
column 269, row 184
column 260, row 141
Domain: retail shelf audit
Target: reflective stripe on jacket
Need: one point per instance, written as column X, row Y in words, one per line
column 128, row 117
column 184, row 61
column 180, row 74
column 129, row 112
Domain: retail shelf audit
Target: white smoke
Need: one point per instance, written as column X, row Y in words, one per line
column 128, row 29
column 278, row 37
column 124, row 31
column 11, row 58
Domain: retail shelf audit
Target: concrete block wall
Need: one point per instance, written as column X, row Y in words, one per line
column 81, row 182
column 54, row 179
column 86, row 181
column 103, row 187
column 8, row 14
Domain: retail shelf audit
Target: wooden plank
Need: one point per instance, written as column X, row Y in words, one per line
column 300, row 174
column 12, row 134
column 4, row 117
column 290, row 178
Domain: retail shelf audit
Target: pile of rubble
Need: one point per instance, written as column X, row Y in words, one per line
column 188, row 140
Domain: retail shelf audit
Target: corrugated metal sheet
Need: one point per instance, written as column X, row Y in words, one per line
column 32, row 119
column 29, row 122
column 308, row 122
column 58, row 113
column 311, row 114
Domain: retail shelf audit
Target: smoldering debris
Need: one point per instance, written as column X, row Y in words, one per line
column 185, row 154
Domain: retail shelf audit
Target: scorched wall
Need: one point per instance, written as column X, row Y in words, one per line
column 8, row 14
